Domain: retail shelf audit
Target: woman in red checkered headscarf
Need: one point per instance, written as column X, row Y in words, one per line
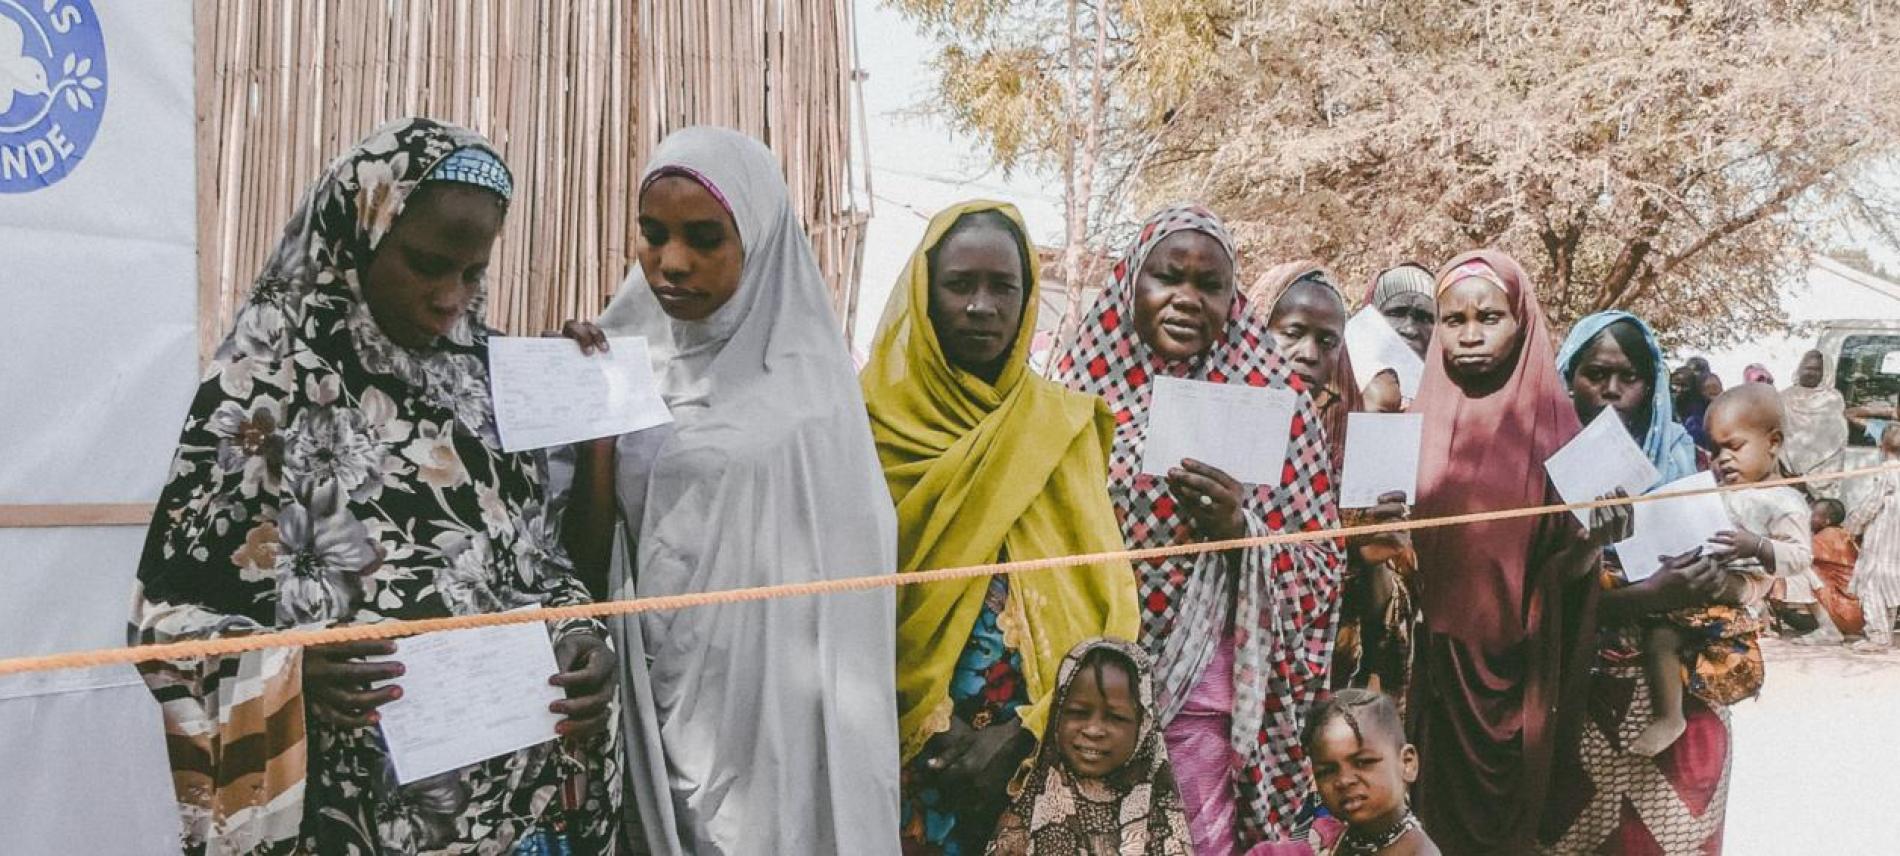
column 1242, row 639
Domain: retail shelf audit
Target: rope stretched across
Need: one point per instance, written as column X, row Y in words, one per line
column 398, row 629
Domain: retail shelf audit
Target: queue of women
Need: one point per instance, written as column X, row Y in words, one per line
column 1380, row 694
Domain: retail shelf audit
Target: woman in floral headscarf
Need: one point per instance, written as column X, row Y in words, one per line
column 340, row 466
column 1242, row 638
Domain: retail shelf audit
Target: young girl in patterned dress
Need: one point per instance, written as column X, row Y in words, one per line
column 1102, row 785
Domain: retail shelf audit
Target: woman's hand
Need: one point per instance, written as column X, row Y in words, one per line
column 1583, row 558
column 1210, row 498
column 1613, row 523
column 587, row 673
column 336, row 681
column 1379, row 548
column 586, row 334
column 1690, row 580
column 1382, row 394
column 978, row 762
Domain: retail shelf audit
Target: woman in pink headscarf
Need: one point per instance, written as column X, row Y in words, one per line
column 1505, row 603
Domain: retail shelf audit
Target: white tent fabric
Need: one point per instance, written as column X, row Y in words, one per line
column 98, row 246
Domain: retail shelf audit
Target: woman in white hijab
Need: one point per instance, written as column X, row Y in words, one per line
column 769, row 727
column 1816, row 424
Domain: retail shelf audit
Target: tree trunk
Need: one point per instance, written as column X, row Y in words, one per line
column 1074, row 214
column 1081, row 188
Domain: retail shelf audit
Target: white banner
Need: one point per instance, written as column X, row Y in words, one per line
column 97, row 366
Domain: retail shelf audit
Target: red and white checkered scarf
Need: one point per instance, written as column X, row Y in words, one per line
column 1284, row 599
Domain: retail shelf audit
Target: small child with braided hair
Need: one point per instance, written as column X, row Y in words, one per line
column 1363, row 767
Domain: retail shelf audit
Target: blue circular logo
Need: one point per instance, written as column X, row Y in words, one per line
column 52, row 90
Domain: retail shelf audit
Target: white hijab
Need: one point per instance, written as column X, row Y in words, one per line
column 776, row 720
column 1816, row 428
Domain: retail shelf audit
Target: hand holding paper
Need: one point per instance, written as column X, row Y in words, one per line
column 548, row 393
column 588, row 677
column 1598, row 461
column 1381, row 457
column 1211, row 499
column 335, row 677
column 1239, row 429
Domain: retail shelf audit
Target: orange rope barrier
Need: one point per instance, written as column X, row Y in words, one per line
column 399, row 629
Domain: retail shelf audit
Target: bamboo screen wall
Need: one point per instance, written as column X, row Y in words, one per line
column 575, row 94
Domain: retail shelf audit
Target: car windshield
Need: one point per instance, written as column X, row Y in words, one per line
column 1859, row 377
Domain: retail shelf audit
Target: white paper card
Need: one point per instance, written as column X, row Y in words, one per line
column 1241, row 430
column 1375, row 347
column 1381, row 457
column 1890, row 363
column 1600, row 459
column 1672, row 527
column 470, row 695
column 548, row 393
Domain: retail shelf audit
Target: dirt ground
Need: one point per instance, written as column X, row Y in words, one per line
column 1817, row 756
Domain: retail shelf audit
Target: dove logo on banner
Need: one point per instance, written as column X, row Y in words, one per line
column 52, row 90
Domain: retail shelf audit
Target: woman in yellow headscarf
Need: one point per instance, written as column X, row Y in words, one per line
column 986, row 462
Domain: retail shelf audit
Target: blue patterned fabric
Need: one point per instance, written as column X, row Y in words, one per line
column 543, row 842
column 477, row 167
column 987, row 690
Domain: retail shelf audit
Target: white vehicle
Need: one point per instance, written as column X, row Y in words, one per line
column 1855, row 352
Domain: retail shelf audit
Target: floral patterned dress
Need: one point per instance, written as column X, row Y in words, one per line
column 987, row 691
column 328, row 476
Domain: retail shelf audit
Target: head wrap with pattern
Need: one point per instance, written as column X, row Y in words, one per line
column 1284, row 598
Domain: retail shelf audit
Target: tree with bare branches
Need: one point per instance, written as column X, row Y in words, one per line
column 1071, row 86
column 1677, row 159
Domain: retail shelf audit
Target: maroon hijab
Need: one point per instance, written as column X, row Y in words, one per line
column 1483, row 453
column 1500, row 626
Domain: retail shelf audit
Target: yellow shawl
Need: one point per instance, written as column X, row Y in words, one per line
column 978, row 471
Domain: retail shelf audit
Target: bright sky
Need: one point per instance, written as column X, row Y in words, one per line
column 917, row 166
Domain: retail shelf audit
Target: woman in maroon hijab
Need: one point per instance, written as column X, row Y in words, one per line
column 1504, row 603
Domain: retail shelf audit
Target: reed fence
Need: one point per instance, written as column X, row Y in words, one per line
column 575, row 95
